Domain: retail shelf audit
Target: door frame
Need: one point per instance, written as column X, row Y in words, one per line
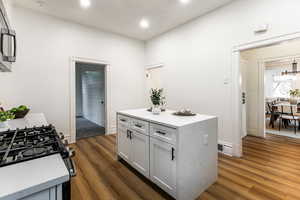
column 72, row 100
column 236, row 90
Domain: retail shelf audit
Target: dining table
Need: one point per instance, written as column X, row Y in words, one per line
column 275, row 115
column 288, row 104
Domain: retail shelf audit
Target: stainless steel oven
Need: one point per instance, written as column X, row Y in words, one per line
column 8, row 43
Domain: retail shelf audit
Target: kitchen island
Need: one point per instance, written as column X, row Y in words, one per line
column 179, row 154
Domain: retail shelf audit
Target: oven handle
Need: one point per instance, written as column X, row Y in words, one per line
column 74, row 171
column 71, row 167
column 11, row 33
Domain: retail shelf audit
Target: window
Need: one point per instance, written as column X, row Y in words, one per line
column 282, row 85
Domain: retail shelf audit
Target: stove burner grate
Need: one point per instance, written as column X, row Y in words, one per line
column 34, row 151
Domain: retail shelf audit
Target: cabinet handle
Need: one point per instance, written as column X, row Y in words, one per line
column 139, row 126
column 173, row 151
column 123, row 120
column 161, row 133
column 131, row 135
column 128, row 133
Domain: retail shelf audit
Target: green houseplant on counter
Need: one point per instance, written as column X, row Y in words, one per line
column 4, row 117
column 156, row 99
column 294, row 96
column 20, row 112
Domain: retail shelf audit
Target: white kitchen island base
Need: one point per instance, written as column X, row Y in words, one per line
column 179, row 154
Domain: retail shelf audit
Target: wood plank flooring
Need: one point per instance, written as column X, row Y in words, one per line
column 269, row 170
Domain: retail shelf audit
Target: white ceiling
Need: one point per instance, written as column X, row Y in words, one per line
column 123, row 16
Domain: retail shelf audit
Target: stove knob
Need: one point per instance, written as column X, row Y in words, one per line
column 66, row 142
column 61, row 136
column 71, row 152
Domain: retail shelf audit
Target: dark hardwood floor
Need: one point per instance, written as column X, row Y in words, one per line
column 269, row 170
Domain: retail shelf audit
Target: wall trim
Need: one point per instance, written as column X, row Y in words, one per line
column 112, row 130
column 72, row 100
column 153, row 66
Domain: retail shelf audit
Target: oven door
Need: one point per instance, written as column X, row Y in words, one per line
column 67, row 185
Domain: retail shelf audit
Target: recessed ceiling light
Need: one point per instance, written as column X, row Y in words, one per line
column 144, row 23
column 85, row 3
column 184, row 1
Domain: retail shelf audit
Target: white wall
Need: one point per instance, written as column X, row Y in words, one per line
column 40, row 77
column 197, row 55
column 153, row 80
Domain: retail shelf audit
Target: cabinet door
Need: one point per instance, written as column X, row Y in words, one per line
column 140, row 152
column 123, row 143
column 43, row 195
column 163, row 165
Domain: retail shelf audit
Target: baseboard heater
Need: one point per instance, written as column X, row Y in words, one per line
column 225, row 149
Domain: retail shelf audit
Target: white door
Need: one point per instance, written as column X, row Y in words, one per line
column 93, row 93
column 163, row 165
column 124, row 143
column 243, row 66
column 140, row 152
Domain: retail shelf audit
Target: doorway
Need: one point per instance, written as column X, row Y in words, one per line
column 90, row 99
column 236, row 88
column 265, row 90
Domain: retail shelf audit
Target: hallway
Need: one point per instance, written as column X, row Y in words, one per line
column 86, row 128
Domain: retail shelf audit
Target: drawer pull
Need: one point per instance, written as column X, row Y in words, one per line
column 138, row 125
column 173, row 151
column 129, row 134
column 161, row 133
column 123, row 120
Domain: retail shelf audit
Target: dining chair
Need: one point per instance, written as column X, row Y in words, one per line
column 287, row 114
column 273, row 112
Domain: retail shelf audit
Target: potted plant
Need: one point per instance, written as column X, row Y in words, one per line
column 156, row 98
column 20, row 112
column 4, row 117
column 294, row 96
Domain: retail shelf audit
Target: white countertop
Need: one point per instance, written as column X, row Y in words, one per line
column 25, row 178
column 165, row 118
column 33, row 119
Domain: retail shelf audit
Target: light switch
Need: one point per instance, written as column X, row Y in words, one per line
column 205, row 139
column 226, row 80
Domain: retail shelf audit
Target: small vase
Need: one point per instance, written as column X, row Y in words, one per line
column 156, row 110
column 3, row 124
column 293, row 101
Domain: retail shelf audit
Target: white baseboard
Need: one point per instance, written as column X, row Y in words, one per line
column 68, row 138
column 112, row 130
column 252, row 132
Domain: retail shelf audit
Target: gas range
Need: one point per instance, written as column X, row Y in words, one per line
column 31, row 143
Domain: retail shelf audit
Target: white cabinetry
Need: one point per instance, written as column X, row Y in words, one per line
column 53, row 193
column 140, row 152
column 179, row 154
column 123, row 142
column 163, row 165
column 133, row 146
